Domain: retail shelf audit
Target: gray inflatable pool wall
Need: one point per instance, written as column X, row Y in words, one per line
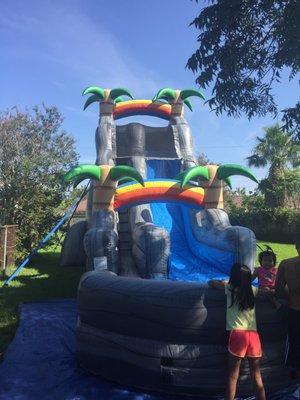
column 159, row 334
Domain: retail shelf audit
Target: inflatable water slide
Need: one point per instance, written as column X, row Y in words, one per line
column 155, row 233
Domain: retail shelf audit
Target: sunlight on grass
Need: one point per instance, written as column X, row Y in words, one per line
column 282, row 251
column 43, row 276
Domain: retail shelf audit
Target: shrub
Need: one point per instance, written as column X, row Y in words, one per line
column 278, row 224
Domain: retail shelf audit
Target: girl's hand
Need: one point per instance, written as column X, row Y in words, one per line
column 217, row 284
column 254, row 275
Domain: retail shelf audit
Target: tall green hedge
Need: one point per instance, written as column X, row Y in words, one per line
column 277, row 225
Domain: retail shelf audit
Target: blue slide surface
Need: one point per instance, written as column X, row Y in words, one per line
column 189, row 260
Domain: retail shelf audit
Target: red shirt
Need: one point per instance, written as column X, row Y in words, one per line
column 266, row 277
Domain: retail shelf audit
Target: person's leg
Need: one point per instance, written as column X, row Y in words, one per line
column 272, row 298
column 275, row 302
column 256, row 378
column 234, row 364
column 293, row 357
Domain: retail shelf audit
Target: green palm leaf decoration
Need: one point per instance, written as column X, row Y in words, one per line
column 166, row 94
column 192, row 173
column 98, row 94
column 94, row 90
column 169, row 94
column 90, row 100
column 164, row 100
column 182, row 174
column 227, row 170
column 121, row 172
column 80, row 179
column 188, row 104
column 115, row 93
column 228, row 182
column 82, row 172
column 119, row 99
column 223, row 173
column 184, row 94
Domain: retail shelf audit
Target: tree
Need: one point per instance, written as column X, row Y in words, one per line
column 202, row 159
column 243, row 47
column 292, row 181
column 34, row 154
column 279, row 151
column 240, row 201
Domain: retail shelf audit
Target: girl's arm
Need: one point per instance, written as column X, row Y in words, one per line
column 255, row 274
column 217, row 284
column 281, row 290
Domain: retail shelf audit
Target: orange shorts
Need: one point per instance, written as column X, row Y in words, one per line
column 244, row 343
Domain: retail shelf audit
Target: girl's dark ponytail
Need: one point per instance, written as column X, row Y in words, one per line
column 241, row 287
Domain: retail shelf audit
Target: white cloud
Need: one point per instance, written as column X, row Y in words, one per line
column 65, row 36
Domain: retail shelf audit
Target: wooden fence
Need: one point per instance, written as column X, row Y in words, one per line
column 7, row 246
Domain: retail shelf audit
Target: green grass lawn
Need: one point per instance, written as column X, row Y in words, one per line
column 44, row 279
column 282, row 250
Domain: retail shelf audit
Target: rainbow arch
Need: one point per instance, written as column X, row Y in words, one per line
column 142, row 107
column 157, row 190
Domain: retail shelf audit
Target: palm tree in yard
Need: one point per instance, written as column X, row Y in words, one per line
column 277, row 150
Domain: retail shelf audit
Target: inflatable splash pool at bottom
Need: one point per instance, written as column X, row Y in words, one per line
column 40, row 363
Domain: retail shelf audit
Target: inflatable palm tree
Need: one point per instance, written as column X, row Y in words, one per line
column 105, row 179
column 214, row 177
column 106, row 97
column 177, row 98
column 101, row 238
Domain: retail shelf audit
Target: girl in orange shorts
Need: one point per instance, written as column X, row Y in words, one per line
column 241, row 322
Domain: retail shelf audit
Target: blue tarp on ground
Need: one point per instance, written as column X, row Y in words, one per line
column 40, row 363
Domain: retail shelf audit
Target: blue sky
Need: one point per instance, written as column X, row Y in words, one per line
column 52, row 50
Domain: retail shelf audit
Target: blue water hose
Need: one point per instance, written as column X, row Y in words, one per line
column 67, row 215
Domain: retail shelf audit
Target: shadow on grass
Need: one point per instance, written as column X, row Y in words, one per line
column 43, row 279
